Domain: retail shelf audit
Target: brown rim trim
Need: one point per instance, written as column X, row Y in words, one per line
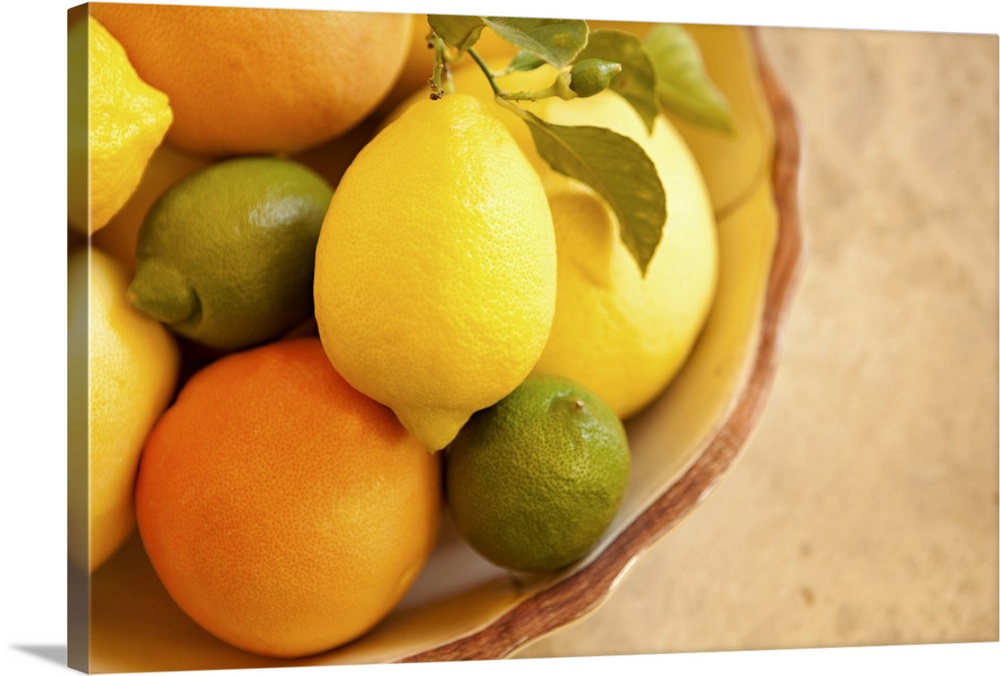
column 576, row 595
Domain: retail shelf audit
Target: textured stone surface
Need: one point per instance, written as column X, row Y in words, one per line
column 864, row 510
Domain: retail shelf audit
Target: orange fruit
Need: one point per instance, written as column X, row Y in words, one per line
column 284, row 512
column 260, row 80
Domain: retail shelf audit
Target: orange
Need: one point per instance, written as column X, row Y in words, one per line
column 284, row 512
column 259, row 80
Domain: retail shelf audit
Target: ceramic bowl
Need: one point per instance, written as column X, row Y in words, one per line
column 461, row 607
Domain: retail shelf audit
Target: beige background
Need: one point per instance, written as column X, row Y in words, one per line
column 864, row 509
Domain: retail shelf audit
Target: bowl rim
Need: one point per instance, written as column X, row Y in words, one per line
column 574, row 596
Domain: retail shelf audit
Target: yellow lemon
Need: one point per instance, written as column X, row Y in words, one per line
column 122, row 373
column 619, row 333
column 435, row 267
column 127, row 121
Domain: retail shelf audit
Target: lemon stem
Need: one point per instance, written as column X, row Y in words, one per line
column 441, row 82
column 504, row 97
column 486, row 71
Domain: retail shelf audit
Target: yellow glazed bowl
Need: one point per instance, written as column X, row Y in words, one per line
column 462, row 607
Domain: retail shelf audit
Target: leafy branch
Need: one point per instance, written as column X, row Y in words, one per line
column 662, row 72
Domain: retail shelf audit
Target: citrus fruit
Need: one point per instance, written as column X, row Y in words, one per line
column 122, row 373
column 261, row 80
column 166, row 166
column 620, row 333
column 128, row 119
column 535, row 480
column 617, row 332
column 283, row 511
column 435, row 267
column 225, row 256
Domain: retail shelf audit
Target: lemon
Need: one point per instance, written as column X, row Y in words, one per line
column 435, row 267
column 122, row 374
column 620, row 333
column 225, row 256
column 127, row 121
column 535, row 480
column 617, row 332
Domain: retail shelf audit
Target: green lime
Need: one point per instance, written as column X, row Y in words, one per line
column 535, row 480
column 225, row 256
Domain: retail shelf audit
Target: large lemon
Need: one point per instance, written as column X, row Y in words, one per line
column 620, row 334
column 435, row 268
column 116, row 121
column 122, row 373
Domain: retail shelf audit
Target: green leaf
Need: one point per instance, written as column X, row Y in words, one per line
column 460, row 32
column 682, row 84
column 637, row 81
column 618, row 169
column 524, row 61
column 556, row 41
